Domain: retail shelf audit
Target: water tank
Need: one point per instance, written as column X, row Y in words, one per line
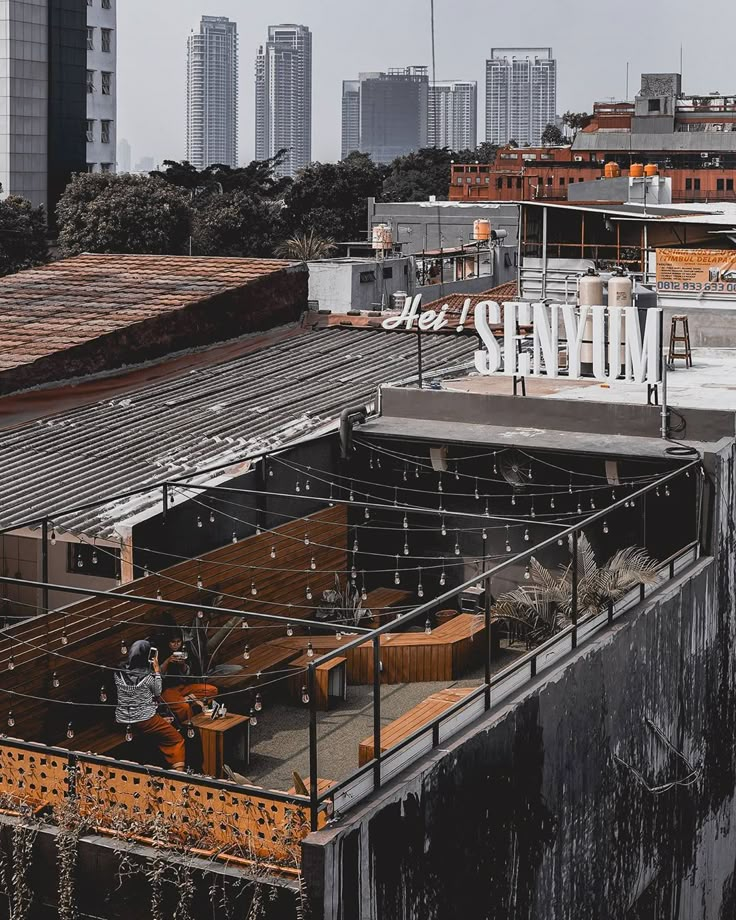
column 612, row 170
column 482, row 230
column 590, row 293
column 398, row 299
column 651, row 169
column 620, row 291
column 383, row 237
column 636, row 170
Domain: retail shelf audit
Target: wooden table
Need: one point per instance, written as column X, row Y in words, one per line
column 421, row 714
column 263, row 659
column 225, row 740
column 330, row 680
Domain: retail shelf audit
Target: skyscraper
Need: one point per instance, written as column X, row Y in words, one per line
column 101, row 85
column 284, row 97
column 212, row 93
column 453, row 115
column 521, row 94
column 386, row 113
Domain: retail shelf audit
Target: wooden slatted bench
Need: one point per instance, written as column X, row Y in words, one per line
column 421, row 714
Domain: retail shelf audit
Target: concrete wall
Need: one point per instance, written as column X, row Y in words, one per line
column 530, row 814
column 336, row 283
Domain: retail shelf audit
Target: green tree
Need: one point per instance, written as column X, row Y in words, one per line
column 574, row 121
column 22, row 235
column 257, row 178
column 102, row 212
column 305, row 247
column 418, row 175
column 483, row 153
column 236, row 224
column 552, row 136
column 331, row 198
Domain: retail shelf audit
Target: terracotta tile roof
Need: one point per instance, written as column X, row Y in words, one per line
column 52, row 308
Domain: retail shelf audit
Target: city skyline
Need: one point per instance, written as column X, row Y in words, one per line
column 160, row 33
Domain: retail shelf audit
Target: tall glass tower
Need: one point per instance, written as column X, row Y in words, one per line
column 521, row 94
column 212, row 93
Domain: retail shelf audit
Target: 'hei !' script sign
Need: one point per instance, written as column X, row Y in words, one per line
column 609, row 339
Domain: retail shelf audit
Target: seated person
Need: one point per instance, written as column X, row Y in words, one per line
column 139, row 686
column 183, row 681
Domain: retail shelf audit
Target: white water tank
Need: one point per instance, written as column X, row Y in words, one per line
column 621, row 294
column 383, row 237
column 590, row 293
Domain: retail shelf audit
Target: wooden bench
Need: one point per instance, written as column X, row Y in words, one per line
column 330, row 676
column 421, row 714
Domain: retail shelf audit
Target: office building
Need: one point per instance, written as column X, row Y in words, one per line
column 101, row 85
column 350, row 117
column 212, row 93
column 386, row 113
column 43, row 105
column 453, row 115
column 521, row 94
column 284, row 97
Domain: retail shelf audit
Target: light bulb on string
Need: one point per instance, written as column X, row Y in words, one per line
column 253, row 718
column 526, row 535
column 355, row 543
column 370, row 460
column 508, row 542
column 416, row 471
column 190, row 730
column 80, row 561
column 613, row 495
column 128, row 732
column 123, row 647
column 70, row 731
column 529, row 472
column 439, row 483
column 441, row 507
column 305, row 696
column 533, row 513
column 457, row 474
column 363, row 592
column 666, row 491
column 487, row 511
column 605, row 527
column 258, row 703
column 476, row 493
column 308, row 593
column 307, row 486
column 313, row 564
column 244, row 625
column 443, row 577
column 146, row 571
column 569, row 488
column 55, row 682
column 270, row 471
column 406, row 547
column 307, row 541
column 592, row 503
column 199, row 582
column 273, row 552
column 159, row 596
column 332, row 503
column 11, row 719
column 297, row 485
column 53, row 538
column 405, row 523
column 580, row 508
column 552, row 503
column 484, row 535
column 396, row 496
column 527, row 573
column 513, row 498
column 289, row 630
column 234, row 537
column 351, row 494
column 656, row 491
column 253, row 588
column 199, row 521
column 457, row 543
column 560, row 541
column 11, row 663
column 420, row 586
column 443, row 529
column 94, row 557
column 404, row 476
column 427, row 627
column 310, row 650
column 246, row 653
column 212, row 517
column 64, row 637
column 367, row 514
column 103, row 694
column 397, row 577
column 200, row 614
column 495, row 467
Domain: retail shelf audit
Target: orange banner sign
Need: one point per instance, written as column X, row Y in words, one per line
column 709, row 273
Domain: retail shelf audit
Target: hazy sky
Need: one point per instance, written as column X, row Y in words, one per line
column 592, row 43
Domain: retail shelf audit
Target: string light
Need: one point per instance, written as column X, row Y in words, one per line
column 199, row 582
column 200, row 614
column 406, row 523
column 80, row 561
column 605, row 527
column 94, row 557
column 11, row 719
column 212, row 517
column 406, row 547
column 487, row 512
column 123, row 647
column 484, row 535
column 235, row 537
column 53, row 537
column 55, row 682
column 443, row 577
column 476, row 493
column 552, row 503
column 355, row 542
column 313, row 563
column 158, row 594
column 11, row 663
column 258, row 704
column 308, row 593
column 70, row 731
column 397, row 577
column 128, row 732
column 396, row 496
column 439, row 483
column 246, row 653
column 308, row 485
column 667, row 490
column 363, row 592
column 310, row 650
column 526, row 535
column 190, row 730
column 252, row 718
column 307, row 541
column 332, row 503
column 444, row 527
column 508, row 542
column 305, row 696
column 103, row 694
column 527, row 573
column 289, row 630
column 367, row 513
column 533, row 513
column 427, row 627
column 420, row 586
column 457, row 543
column 273, row 552
column 199, row 521
column 405, row 469
column 351, row 496
column 253, row 589
column 513, row 498
column 297, row 486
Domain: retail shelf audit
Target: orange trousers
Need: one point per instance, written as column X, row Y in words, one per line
column 168, row 739
column 176, row 698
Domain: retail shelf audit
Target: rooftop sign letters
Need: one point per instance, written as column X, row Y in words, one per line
column 608, row 343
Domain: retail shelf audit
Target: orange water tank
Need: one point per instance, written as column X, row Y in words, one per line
column 636, row 170
column 612, row 170
column 651, row 169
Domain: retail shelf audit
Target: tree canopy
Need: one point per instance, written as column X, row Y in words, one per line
column 418, row 175
column 552, row 136
column 103, row 212
column 257, row 178
column 575, row 121
column 22, row 235
column 236, row 223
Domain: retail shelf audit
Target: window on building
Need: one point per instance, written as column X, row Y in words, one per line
column 106, row 167
column 720, row 185
column 388, row 271
column 90, row 131
column 90, row 167
column 519, row 182
column 106, row 83
column 106, row 4
column 729, row 185
column 509, row 182
column 688, row 185
column 86, row 559
column 654, row 105
column 549, row 180
column 105, row 126
column 367, row 277
column 696, row 185
column 477, row 180
column 90, row 81
column 562, row 180
column 106, row 39
column 499, row 182
column 459, row 180
column 487, row 180
column 90, row 39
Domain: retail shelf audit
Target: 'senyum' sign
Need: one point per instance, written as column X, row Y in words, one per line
column 608, row 338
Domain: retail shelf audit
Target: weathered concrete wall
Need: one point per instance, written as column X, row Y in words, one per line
column 529, row 814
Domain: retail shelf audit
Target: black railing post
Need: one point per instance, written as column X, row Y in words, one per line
column 45, row 565
column 313, row 791
column 377, row 712
column 575, row 588
column 165, row 501
column 489, row 642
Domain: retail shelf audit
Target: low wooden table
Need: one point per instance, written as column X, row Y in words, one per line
column 330, row 680
column 223, row 740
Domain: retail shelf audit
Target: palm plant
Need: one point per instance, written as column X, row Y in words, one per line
column 544, row 606
column 305, row 247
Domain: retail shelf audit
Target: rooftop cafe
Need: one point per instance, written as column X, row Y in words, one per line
column 363, row 611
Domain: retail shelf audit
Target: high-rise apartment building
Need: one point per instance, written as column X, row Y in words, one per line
column 42, row 97
column 212, row 93
column 284, row 97
column 453, row 114
column 521, row 94
column 386, row 113
column 101, row 85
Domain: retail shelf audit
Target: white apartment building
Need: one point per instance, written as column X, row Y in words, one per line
column 453, row 115
column 212, row 93
column 521, row 94
column 284, row 97
column 101, row 85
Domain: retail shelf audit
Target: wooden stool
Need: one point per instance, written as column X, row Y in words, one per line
column 683, row 339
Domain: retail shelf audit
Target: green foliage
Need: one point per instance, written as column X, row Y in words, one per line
column 331, row 198
column 257, row 178
column 483, row 153
column 416, row 176
column 22, row 235
column 236, row 224
column 575, row 121
column 305, row 247
column 101, row 212
column 552, row 136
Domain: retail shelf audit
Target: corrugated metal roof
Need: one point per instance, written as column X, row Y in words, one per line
column 678, row 142
column 57, row 306
column 206, row 416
